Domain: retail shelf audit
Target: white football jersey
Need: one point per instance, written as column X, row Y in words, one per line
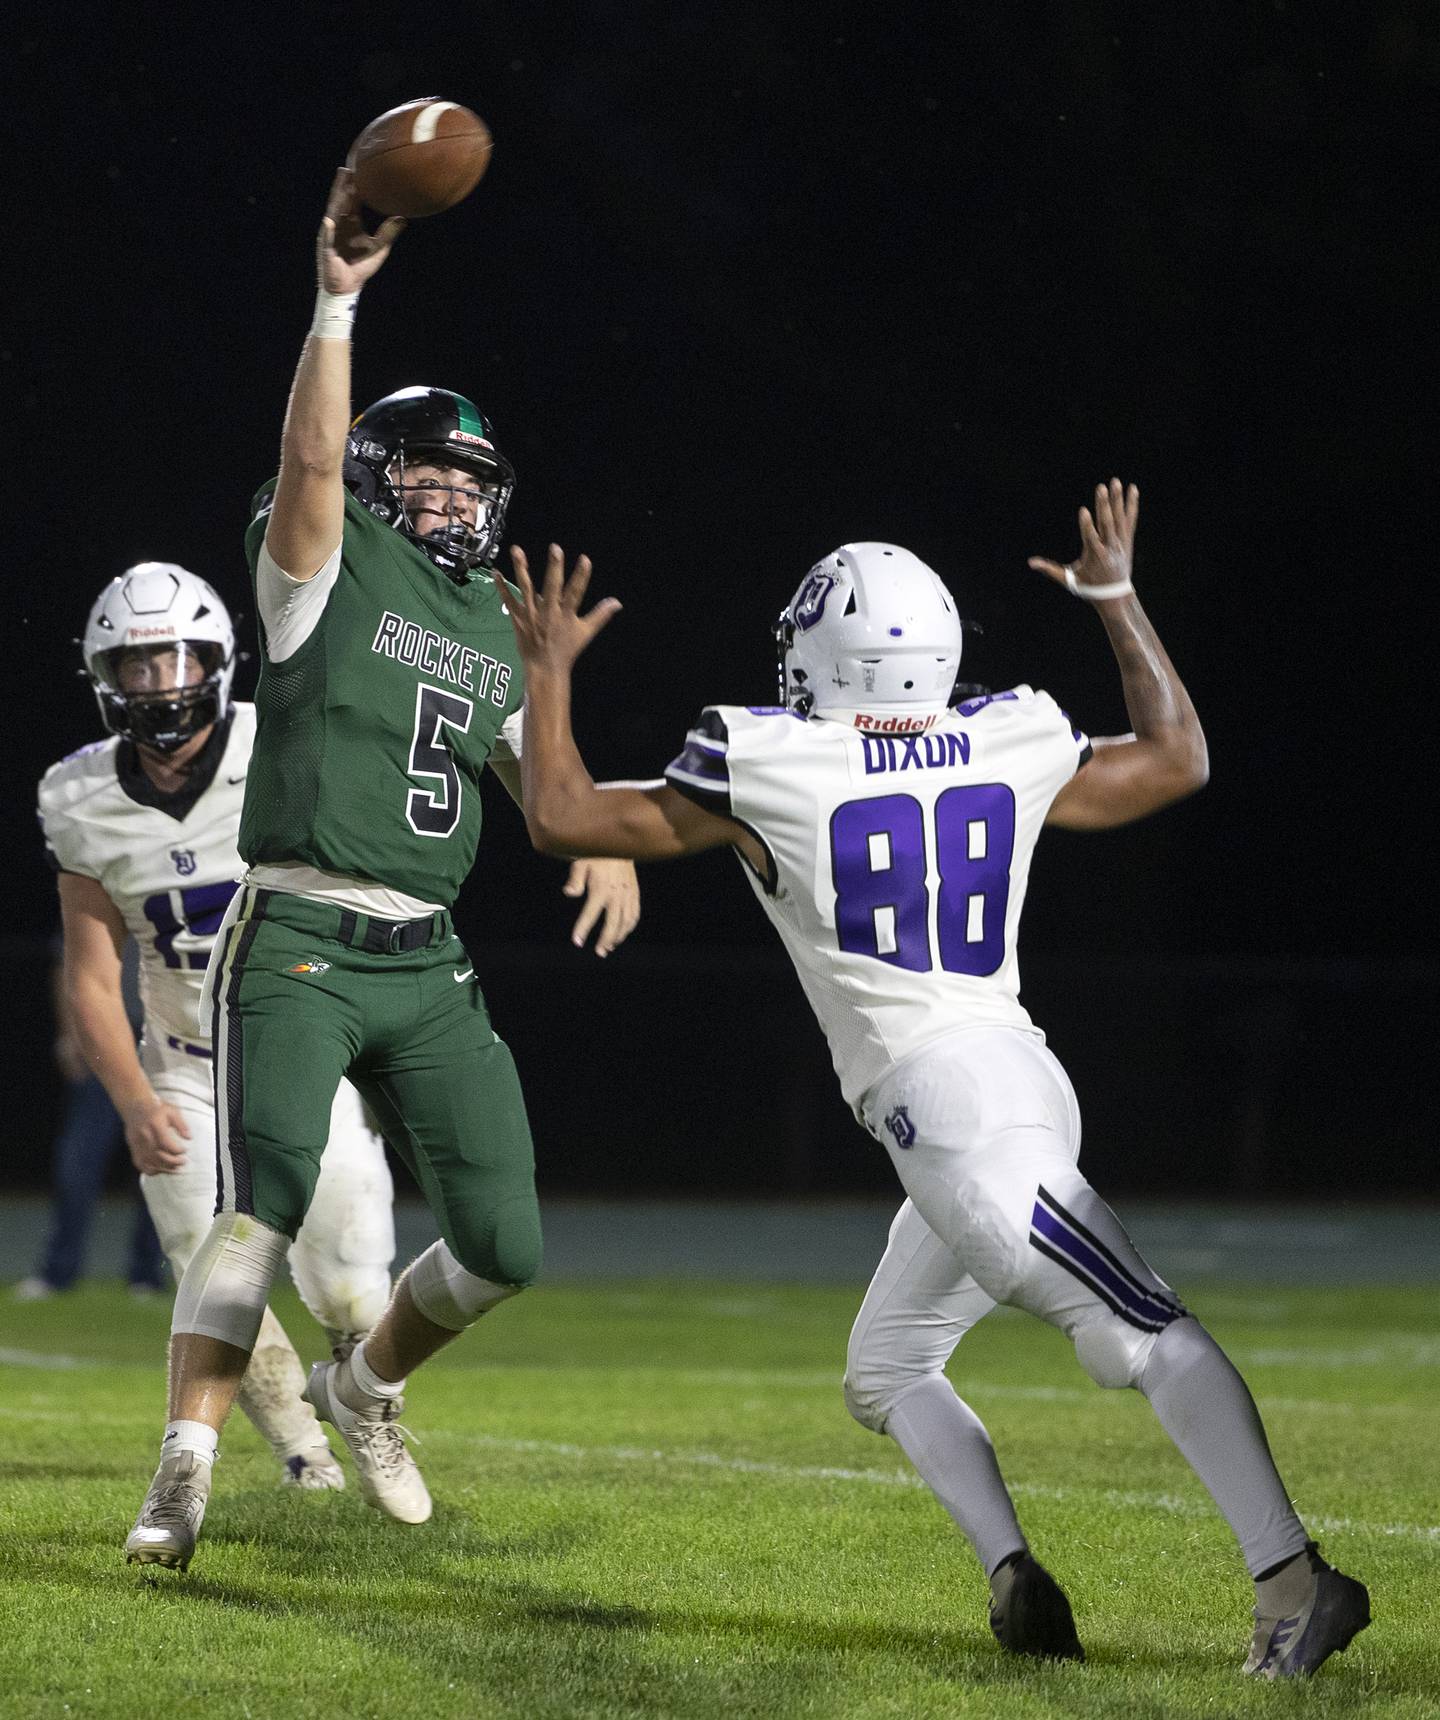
column 169, row 864
column 900, row 859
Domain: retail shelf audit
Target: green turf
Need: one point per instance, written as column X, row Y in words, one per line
column 650, row 1502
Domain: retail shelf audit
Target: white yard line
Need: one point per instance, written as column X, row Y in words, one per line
column 1172, row 1504
column 55, row 1364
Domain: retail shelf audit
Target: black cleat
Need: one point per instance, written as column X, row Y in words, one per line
column 1316, row 1624
column 1029, row 1613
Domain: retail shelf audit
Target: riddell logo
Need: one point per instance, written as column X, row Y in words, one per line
column 151, row 632
column 465, row 436
column 895, row 725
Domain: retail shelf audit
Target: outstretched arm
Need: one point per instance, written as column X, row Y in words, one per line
column 309, row 510
column 565, row 811
column 1165, row 758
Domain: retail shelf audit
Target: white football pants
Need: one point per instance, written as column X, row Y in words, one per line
column 984, row 1131
column 340, row 1260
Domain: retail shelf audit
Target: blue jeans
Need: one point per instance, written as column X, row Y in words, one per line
column 90, row 1131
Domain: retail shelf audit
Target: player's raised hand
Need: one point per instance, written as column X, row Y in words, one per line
column 156, row 1134
column 345, row 254
column 1107, row 546
column 549, row 628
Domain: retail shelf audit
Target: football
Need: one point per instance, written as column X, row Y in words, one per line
column 420, row 158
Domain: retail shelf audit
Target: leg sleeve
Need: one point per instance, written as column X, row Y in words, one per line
column 920, row 1303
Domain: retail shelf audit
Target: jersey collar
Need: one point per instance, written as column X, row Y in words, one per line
column 181, row 803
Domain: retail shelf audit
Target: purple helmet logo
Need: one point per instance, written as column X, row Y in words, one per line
column 809, row 603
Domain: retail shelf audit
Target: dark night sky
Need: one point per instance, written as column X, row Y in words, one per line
column 747, row 280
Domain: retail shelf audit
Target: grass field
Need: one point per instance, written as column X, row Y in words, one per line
column 651, row 1502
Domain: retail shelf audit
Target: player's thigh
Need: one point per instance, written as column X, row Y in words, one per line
column 287, row 1025
column 182, row 1202
column 342, row 1256
column 920, row 1303
column 991, row 1165
column 448, row 1097
column 973, row 1125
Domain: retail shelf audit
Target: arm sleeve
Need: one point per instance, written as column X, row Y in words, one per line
column 702, row 771
column 510, row 739
column 290, row 609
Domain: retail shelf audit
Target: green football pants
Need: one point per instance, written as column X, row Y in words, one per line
column 303, row 993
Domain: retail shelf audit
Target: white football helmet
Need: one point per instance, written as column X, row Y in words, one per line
column 871, row 632
column 160, row 653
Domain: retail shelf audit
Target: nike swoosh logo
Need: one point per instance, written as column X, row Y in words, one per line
column 232, row 780
column 469, row 973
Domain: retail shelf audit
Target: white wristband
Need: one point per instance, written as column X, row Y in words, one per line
column 334, row 315
column 1097, row 593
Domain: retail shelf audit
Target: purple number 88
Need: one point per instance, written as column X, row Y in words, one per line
column 880, row 866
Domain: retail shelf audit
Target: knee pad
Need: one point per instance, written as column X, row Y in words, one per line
column 1113, row 1352
column 227, row 1284
column 864, row 1406
column 448, row 1295
column 501, row 1245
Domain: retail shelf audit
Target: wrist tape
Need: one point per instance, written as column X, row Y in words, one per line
column 1097, row 593
column 334, row 315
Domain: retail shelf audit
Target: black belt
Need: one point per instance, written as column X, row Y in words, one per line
column 357, row 931
column 389, row 937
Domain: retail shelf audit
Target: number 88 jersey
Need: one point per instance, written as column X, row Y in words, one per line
column 899, row 860
column 169, row 864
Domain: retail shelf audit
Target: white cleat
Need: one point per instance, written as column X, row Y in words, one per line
column 390, row 1479
column 170, row 1518
column 313, row 1471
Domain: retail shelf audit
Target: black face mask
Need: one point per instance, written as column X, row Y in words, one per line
column 163, row 722
column 170, row 716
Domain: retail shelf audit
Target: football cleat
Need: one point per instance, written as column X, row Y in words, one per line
column 170, row 1518
column 1318, row 1618
column 1029, row 1613
column 390, row 1479
column 313, row 1471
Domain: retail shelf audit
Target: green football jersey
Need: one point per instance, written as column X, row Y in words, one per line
column 371, row 738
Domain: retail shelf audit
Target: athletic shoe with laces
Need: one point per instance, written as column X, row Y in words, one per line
column 390, row 1479
column 1029, row 1613
column 170, row 1518
column 1310, row 1611
column 313, row 1471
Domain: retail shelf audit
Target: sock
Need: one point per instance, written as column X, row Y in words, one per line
column 1206, row 1408
column 1278, row 1594
column 357, row 1382
column 196, row 1437
column 947, row 1442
